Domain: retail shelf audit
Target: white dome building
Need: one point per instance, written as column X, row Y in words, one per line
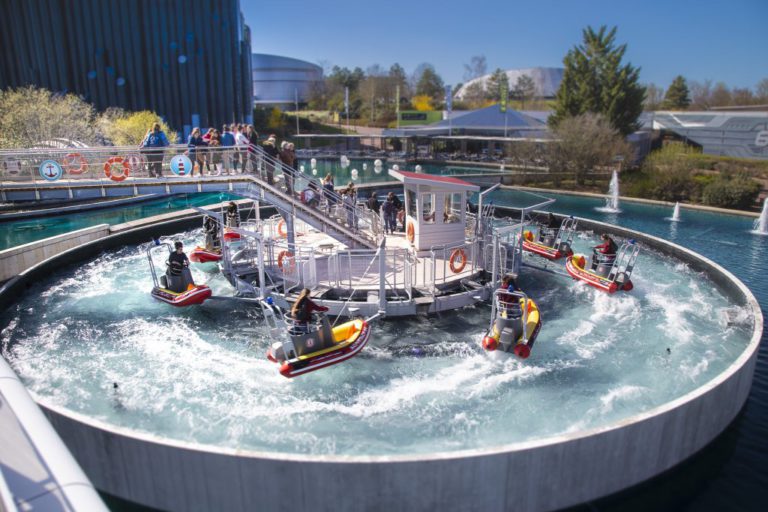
column 278, row 79
column 547, row 81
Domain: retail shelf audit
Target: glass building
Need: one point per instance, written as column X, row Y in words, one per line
column 189, row 61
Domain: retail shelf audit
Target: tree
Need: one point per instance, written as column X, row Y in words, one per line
column 474, row 94
column 477, row 67
column 761, row 90
column 525, row 89
column 430, row 84
column 721, row 95
column 586, row 142
column 129, row 128
column 701, row 94
column 30, row 115
column 678, row 96
column 595, row 81
column 422, row 103
column 742, row 96
column 495, row 84
column 654, row 95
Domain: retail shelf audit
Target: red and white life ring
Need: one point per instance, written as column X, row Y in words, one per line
column 410, row 233
column 281, row 229
column 117, row 169
column 291, row 264
column 74, row 163
column 462, row 260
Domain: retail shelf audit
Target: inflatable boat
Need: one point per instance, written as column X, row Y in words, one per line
column 195, row 294
column 203, row 255
column 601, row 276
column 230, row 235
column 318, row 345
column 515, row 324
column 175, row 288
column 551, row 253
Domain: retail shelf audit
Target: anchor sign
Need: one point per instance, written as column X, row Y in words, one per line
column 50, row 170
column 181, row 165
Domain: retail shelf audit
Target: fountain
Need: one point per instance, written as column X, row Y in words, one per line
column 760, row 226
column 612, row 202
column 675, row 213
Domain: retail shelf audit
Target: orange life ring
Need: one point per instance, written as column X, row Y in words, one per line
column 70, row 163
column 528, row 235
column 282, row 256
column 410, row 232
column 117, row 163
column 281, row 230
column 462, row 256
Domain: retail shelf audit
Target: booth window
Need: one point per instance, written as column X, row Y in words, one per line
column 452, row 210
column 428, row 208
column 410, row 200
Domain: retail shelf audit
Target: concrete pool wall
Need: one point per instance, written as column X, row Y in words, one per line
column 544, row 474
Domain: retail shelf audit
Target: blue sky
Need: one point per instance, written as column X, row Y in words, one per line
column 706, row 39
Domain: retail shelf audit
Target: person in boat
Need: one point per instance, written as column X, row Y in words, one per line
column 508, row 303
column 211, row 230
column 608, row 250
column 550, row 227
column 303, row 308
column 233, row 215
column 179, row 276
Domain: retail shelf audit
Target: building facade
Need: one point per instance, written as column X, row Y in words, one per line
column 283, row 80
column 187, row 60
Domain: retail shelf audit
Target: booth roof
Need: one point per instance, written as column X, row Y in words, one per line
column 427, row 179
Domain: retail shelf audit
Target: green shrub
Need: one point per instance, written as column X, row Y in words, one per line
column 731, row 191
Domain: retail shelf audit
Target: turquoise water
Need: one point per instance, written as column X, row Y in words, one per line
column 17, row 232
column 422, row 384
column 371, row 174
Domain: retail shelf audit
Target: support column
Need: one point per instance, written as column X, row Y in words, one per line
column 382, row 276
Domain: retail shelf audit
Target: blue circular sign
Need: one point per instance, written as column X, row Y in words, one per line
column 181, row 165
column 50, row 170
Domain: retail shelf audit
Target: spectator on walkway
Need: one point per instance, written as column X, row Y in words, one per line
column 328, row 191
column 373, row 203
column 227, row 148
column 270, row 148
column 214, row 153
column 152, row 146
column 253, row 146
column 196, row 156
column 241, row 142
column 390, row 214
column 287, row 159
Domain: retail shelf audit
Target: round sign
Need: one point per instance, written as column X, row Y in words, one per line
column 50, row 170
column 181, row 165
column 135, row 162
column 11, row 167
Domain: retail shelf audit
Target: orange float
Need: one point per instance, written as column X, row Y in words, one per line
column 462, row 257
column 292, row 262
column 281, row 229
column 117, row 169
column 410, row 233
column 74, row 163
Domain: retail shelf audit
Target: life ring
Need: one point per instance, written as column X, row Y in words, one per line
column 74, row 163
column 117, row 163
column 410, row 233
column 462, row 256
column 282, row 256
column 528, row 235
column 281, row 231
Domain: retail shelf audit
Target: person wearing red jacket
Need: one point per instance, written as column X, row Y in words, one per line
column 304, row 307
column 608, row 246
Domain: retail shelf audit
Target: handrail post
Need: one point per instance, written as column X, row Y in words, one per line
column 382, row 276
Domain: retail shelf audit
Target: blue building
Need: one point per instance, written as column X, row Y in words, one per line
column 187, row 60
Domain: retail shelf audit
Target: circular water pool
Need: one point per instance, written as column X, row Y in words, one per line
column 422, row 385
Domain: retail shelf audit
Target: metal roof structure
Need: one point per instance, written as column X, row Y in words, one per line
column 546, row 80
column 485, row 121
column 415, row 178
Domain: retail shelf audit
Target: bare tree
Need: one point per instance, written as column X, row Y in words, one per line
column 701, row 95
column 525, row 89
column 721, row 95
column 761, row 90
column 477, row 67
column 654, row 95
column 585, row 143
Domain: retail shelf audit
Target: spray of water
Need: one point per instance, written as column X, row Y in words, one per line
column 612, row 201
column 761, row 224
